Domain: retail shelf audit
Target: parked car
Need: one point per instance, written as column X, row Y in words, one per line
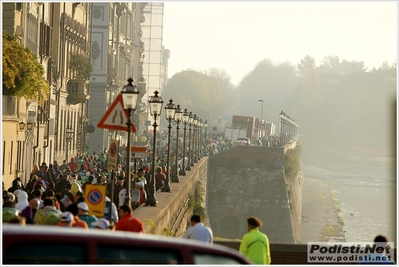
column 35, row 244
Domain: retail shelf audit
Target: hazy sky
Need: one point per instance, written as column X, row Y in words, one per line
column 236, row 35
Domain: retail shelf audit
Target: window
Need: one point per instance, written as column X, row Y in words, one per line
column 45, row 253
column 206, row 258
column 110, row 254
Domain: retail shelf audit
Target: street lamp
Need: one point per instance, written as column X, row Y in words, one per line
column 69, row 135
column 261, row 113
column 200, row 141
column 206, row 134
column 155, row 110
column 29, row 126
column 185, row 118
column 22, row 159
column 260, row 131
column 170, row 109
column 190, row 159
column 282, row 115
column 21, row 126
column 178, row 119
column 130, row 97
column 195, row 123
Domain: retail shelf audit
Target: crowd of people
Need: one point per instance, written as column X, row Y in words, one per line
column 54, row 194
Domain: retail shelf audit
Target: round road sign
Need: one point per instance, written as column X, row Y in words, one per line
column 94, row 197
column 112, row 149
column 90, row 129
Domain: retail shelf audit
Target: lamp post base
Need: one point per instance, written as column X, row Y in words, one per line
column 151, row 201
column 174, row 179
column 188, row 168
column 182, row 172
column 166, row 188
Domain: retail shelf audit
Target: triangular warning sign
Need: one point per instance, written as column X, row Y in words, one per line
column 116, row 117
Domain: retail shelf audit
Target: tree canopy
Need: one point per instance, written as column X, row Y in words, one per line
column 334, row 103
column 201, row 93
column 23, row 75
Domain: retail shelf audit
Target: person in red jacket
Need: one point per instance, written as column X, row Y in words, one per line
column 73, row 165
column 127, row 222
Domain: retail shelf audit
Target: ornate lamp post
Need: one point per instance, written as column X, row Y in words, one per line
column 21, row 126
column 200, row 140
column 130, row 97
column 196, row 122
column 206, row 134
column 23, row 160
column 155, row 110
column 282, row 115
column 69, row 136
column 170, row 109
column 185, row 118
column 190, row 143
column 178, row 119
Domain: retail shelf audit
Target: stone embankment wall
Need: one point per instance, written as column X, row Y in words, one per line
column 171, row 214
column 249, row 181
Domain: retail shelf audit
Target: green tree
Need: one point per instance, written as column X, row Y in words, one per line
column 228, row 90
column 197, row 91
column 275, row 84
column 23, row 75
column 310, row 92
column 81, row 66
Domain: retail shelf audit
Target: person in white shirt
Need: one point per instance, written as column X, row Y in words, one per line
column 199, row 231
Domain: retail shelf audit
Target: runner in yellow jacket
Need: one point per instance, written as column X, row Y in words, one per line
column 255, row 244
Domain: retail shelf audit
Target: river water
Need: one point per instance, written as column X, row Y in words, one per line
column 366, row 195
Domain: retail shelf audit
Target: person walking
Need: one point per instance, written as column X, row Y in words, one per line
column 77, row 222
column 49, row 215
column 160, row 178
column 66, row 219
column 198, row 231
column 83, row 214
column 127, row 222
column 255, row 244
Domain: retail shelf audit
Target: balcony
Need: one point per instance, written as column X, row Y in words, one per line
column 78, row 91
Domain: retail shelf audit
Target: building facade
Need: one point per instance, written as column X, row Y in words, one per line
column 37, row 27
column 88, row 51
column 155, row 57
column 116, row 52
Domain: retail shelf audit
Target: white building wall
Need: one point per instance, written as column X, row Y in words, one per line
column 153, row 50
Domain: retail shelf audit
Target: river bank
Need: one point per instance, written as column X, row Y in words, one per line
column 348, row 202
